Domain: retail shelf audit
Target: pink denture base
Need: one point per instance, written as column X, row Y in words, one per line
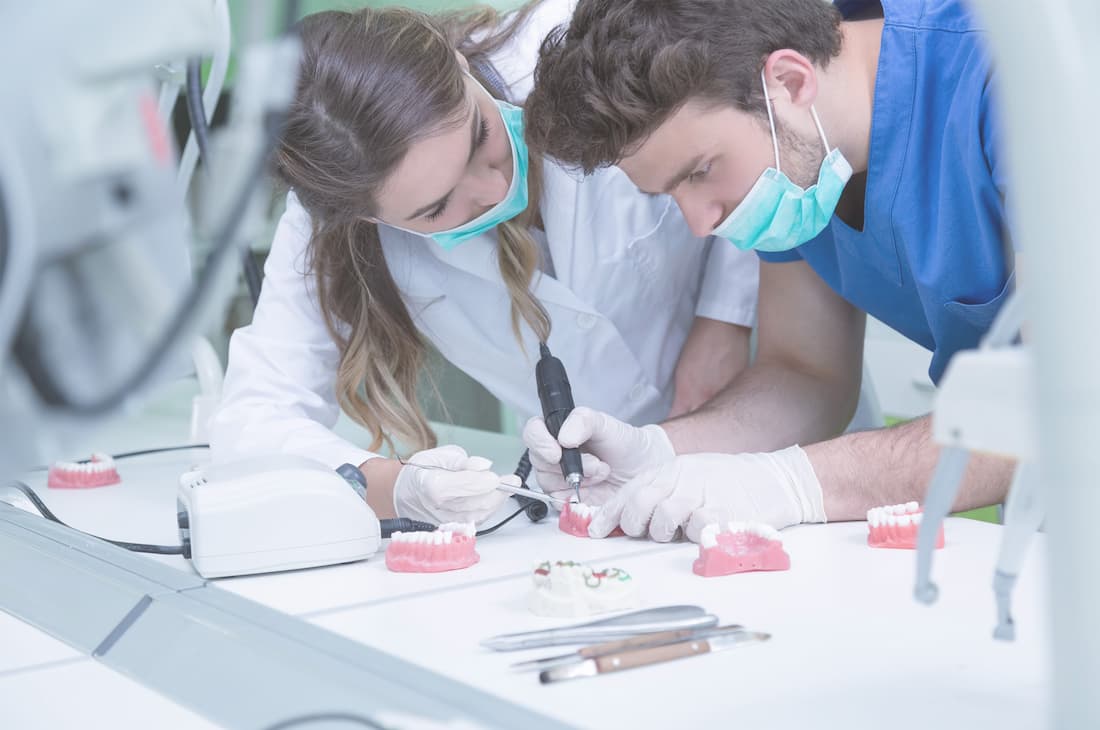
column 81, row 476
column 897, row 526
column 576, row 522
column 416, row 557
column 741, row 552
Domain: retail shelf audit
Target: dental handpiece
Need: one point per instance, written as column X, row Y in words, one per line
column 556, row 398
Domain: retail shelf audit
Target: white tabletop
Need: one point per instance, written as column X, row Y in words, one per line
column 850, row 647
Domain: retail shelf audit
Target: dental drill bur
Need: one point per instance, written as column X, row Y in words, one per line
column 556, row 398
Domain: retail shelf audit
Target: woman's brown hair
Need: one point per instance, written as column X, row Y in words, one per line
column 372, row 83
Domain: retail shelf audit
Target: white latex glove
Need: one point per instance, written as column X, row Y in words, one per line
column 454, row 487
column 778, row 488
column 613, row 453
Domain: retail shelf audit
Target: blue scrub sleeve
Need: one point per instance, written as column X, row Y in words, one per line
column 780, row 257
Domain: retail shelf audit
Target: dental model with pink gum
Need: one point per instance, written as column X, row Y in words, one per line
column 739, row 547
column 450, row 547
column 576, row 516
column 896, row 526
column 100, row 471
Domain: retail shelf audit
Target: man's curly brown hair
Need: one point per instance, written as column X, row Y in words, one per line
column 622, row 67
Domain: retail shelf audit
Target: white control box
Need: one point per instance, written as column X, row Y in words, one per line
column 272, row 513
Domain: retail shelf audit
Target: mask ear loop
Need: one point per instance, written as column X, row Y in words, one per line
column 771, row 120
column 820, row 130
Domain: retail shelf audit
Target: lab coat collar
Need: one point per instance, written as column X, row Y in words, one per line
column 478, row 256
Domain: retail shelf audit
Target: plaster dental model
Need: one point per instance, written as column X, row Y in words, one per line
column 99, row 472
column 896, row 526
column 568, row 589
column 576, row 516
column 739, row 547
column 450, row 547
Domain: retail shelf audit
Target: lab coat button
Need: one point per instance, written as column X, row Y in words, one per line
column 637, row 391
column 586, row 321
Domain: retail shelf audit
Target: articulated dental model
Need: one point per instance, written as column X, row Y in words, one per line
column 739, row 547
column 565, row 588
column 896, row 526
column 99, row 472
column 450, row 547
column 576, row 517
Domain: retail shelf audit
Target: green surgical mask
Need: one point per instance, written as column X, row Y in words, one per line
column 515, row 200
column 777, row 215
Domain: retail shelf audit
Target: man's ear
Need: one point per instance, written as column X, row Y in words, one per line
column 790, row 77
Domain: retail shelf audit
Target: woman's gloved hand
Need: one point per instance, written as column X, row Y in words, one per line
column 447, row 485
column 686, row 494
column 613, row 452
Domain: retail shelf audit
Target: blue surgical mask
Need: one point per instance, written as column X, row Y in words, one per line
column 777, row 215
column 515, row 200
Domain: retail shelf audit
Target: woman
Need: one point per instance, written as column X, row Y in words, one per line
column 415, row 214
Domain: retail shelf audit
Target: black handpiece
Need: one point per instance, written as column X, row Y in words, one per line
column 557, row 403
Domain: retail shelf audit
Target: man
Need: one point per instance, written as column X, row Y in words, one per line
column 855, row 148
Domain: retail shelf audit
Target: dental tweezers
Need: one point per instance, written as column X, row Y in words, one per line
column 646, row 621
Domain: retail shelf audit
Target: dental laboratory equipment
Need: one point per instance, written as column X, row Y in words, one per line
column 1046, row 60
column 273, row 513
column 97, row 304
column 556, row 398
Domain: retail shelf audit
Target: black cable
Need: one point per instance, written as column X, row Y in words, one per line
column 141, row 452
column 158, row 450
column 502, row 523
column 319, row 716
column 404, row 524
column 138, row 547
column 196, row 112
column 535, row 509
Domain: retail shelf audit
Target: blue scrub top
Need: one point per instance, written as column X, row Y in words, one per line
column 934, row 259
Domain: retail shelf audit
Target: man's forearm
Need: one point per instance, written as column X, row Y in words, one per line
column 769, row 406
column 868, row 469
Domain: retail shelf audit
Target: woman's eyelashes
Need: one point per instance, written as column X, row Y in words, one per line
column 438, row 211
column 482, row 136
column 699, row 175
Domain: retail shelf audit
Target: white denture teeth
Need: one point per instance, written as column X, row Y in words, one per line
column 708, row 538
column 581, row 509
column 759, row 529
column 99, row 463
column 458, row 528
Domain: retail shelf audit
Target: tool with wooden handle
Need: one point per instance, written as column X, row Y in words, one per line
column 652, row 655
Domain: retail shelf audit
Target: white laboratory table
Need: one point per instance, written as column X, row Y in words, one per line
column 850, row 647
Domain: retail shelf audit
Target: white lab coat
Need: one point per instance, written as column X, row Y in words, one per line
column 629, row 280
